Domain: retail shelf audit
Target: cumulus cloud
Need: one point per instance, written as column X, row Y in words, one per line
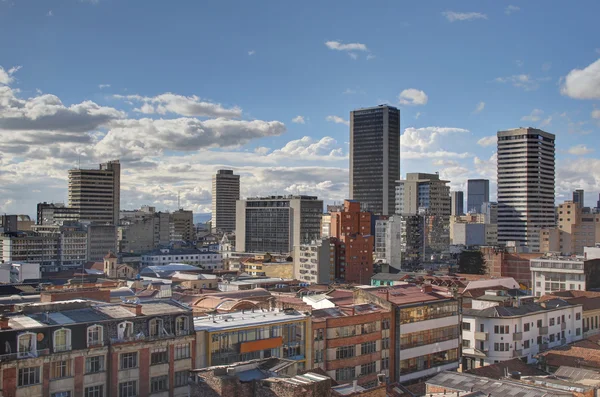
column 488, row 141
column 6, row 76
column 454, row 16
column 412, row 96
column 308, row 148
column 337, row 120
column 338, row 46
column 511, row 9
column 251, row 52
column 583, row 83
column 424, row 138
column 298, row 120
column 580, row 150
column 534, row 116
column 102, row 86
column 523, row 81
column 480, row 106
column 596, row 113
column 190, row 106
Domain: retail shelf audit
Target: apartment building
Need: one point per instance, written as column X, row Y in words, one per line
column 247, row 335
column 55, row 213
column 191, row 256
column 354, row 342
column 507, row 262
column 426, row 323
column 560, row 273
column 315, row 262
column 95, row 194
column 72, row 240
column 576, row 230
column 80, row 348
column 102, row 238
column 225, row 192
column 499, row 328
column 31, row 248
column 590, row 300
column 276, row 224
column 182, row 225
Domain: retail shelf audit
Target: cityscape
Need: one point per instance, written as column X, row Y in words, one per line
column 181, row 232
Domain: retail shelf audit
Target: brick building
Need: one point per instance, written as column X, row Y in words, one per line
column 503, row 262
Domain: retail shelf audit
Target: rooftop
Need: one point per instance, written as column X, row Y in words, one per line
column 522, row 309
column 498, row 371
column 245, row 319
column 405, row 294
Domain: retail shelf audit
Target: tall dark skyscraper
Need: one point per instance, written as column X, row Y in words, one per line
column 457, row 203
column 375, row 157
column 225, row 192
column 478, row 192
column 578, row 198
column 526, row 169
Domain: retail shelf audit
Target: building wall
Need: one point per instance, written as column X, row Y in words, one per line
column 564, row 273
column 102, row 239
column 576, row 230
column 313, row 262
column 478, row 192
column 183, row 225
column 225, row 193
column 501, row 263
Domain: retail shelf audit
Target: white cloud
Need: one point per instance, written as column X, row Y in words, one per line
column 583, row 83
column 251, row 52
column 453, row 16
column 191, row 106
column 488, row 141
column 6, row 76
column 370, row 56
column 298, row 120
column 511, row 9
column 412, row 96
column 480, row 106
column 50, row 14
column 426, row 137
column 535, row 115
column 596, row 113
column 524, row 81
column 262, row 150
column 308, row 148
column 101, row 86
column 580, row 150
column 546, row 122
column 337, row 120
column 417, row 115
column 336, row 45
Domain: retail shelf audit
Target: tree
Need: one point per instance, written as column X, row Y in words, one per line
column 471, row 262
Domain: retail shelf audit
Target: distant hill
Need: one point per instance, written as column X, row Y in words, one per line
column 202, row 218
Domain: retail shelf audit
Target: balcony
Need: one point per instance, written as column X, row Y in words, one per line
column 518, row 336
column 517, row 353
column 481, row 336
column 543, row 330
column 24, row 355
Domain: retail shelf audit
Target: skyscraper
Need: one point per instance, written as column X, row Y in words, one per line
column 478, row 192
column 225, row 192
column 375, row 157
column 578, row 198
column 95, row 194
column 526, row 169
column 458, row 202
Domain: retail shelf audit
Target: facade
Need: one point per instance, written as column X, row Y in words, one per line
column 576, row 230
column 234, row 337
column 490, row 212
column 411, row 239
column 31, row 248
column 315, row 262
column 478, row 192
column 351, row 220
column 55, row 213
column 504, row 262
column 79, row 348
column 473, row 230
column 101, row 239
column 72, row 240
column 579, row 198
column 457, row 199
column 143, row 229
column 526, row 172
column 497, row 329
column 563, row 273
column 275, row 224
column 374, row 157
column 388, row 240
column 164, row 256
column 182, row 225
column 426, row 323
column 95, row 194
column 326, row 225
column 225, row 192
column 17, row 273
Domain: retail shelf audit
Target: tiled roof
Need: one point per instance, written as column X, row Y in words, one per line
column 585, row 353
column 510, row 311
column 497, row 371
column 405, row 294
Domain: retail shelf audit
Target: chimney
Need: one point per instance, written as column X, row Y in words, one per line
column 4, row 322
column 426, row 288
column 135, row 308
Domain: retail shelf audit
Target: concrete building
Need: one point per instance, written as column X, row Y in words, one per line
column 101, row 239
column 225, row 193
column 374, row 157
column 472, row 230
column 426, row 325
column 389, row 240
column 499, row 328
column 31, row 248
column 326, row 225
column 315, row 262
column 17, row 273
column 576, row 230
column 191, row 256
column 490, row 212
column 457, row 200
column 144, row 229
column 506, row 262
column 276, row 224
column 182, row 225
column 478, row 192
column 562, row 273
column 579, row 198
column 80, row 348
column 526, row 175
column 55, row 213
column 95, row 194
column 411, row 239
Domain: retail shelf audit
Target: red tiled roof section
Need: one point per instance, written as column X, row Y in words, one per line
column 585, row 353
column 405, row 294
column 496, row 371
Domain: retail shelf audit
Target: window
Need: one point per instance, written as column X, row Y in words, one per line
column 385, row 343
column 318, row 356
column 466, row 343
column 181, row 325
column 347, row 373
column 466, row 326
column 551, row 321
column 62, row 340
column 94, row 364
column 319, row 334
column 29, row 376
column 181, row 378
column 182, row 351
column 368, row 348
column 27, row 344
column 368, row 368
column 159, row 383
column 95, row 335
column 128, row 389
column 155, row 327
column 128, row 360
column 526, row 344
column 526, row 327
column 578, row 332
column 61, row 394
column 551, row 337
column 501, row 347
column 345, row 352
column 501, row 329
column 125, row 330
column 578, row 316
column 60, row 369
column 539, row 323
column 94, row 391
column 385, row 323
column 385, row 363
column 159, row 357
column 539, row 340
column 557, row 320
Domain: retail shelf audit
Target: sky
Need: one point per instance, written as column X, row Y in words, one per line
column 177, row 90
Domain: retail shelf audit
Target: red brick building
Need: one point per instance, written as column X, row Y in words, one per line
column 503, row 263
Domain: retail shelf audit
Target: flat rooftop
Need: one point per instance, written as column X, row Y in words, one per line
column 245, row 319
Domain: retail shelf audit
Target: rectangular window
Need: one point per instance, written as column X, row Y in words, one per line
column 60, row 369
column 539, row 340
column 29, row 376
column 368, row 348
column 466, row 326
column 385, row 323
column 94, row 364
column 526, row 327
column 182, row 351
column 345, row 352
column 551, row 338
column 181, row 378
column 551, row 321
column 367, row 369
column 94, row 391
column 385, row 363
column 347, row 373
column 577, row 316
column 159, row 383
column 466, row 343
column 577, row 331
column 526, row 344
column 128, row 389
column 61, row 394
column 385, row 343
column 539, row 323
column 129, row 360
column 159, row 357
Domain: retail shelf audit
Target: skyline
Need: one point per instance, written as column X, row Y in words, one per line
column 216, row 88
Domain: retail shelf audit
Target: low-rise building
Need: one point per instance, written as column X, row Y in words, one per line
column 499, row 327
column 561, row 273
column 163, row 256
column 506, row 262
column 591, row 308
column 19, row 272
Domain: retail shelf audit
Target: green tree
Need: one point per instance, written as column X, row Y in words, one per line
column 471, row 262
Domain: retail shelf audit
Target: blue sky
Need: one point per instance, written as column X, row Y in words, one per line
column 177, row 90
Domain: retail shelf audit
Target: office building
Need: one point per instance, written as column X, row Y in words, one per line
column 576, row 230
column 490, row 212
column 18, row 273
column 55, row 214
column 101, row 239
column 204, row 259
column 95, row 194
column 478, row 192
column 578, row 198
column 499, row 328
column 389, row 240
column 563, row 273
column 182, row 225
column 225, row 192
column 374, row 157
column 144, row 229
column 525, row 186
column 472, row 230
column 275, row 224
column 457, row 200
